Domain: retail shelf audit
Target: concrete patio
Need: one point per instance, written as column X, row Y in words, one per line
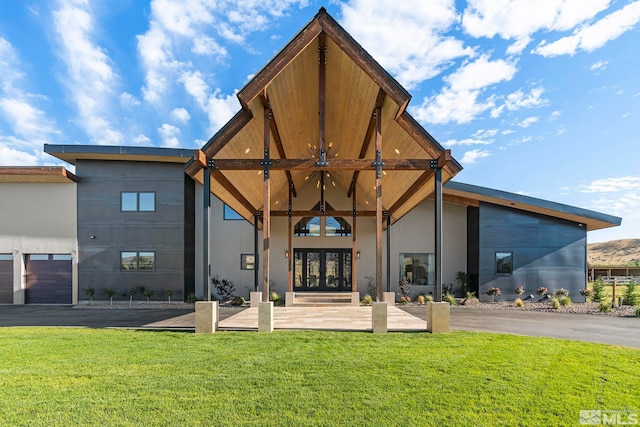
column 327, row 318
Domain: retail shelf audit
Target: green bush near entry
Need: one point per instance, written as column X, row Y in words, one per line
column 630, row 297
column 598, row 291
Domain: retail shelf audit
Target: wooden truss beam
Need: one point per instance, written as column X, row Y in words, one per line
column 325, row 213
column 264, row 98
column 367, row 138
column 227, row 185
column 313, row 164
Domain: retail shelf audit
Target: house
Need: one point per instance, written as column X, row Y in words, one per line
column 321, row 182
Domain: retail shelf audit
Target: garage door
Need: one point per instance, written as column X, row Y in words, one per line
column 48, row 279
column 6, row 279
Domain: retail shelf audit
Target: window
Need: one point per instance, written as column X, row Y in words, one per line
column 138, row 201
column 137, row 261
column 418, row 268
column 230, row 214
column 307, row 226
column 504, row 262
column 61, row 257
column 39, row 257
column 337, row 226
column 6, row 257
column 247, row 262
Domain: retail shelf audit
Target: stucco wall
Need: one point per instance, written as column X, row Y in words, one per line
column 37, row 218
column 413, row 233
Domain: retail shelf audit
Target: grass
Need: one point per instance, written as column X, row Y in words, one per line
column 61, row 377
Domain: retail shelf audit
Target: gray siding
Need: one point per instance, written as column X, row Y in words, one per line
column 163, row 231
column 547, row 252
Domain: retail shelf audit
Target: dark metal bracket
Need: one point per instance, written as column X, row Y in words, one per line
column 378, row 164
column 266, row 163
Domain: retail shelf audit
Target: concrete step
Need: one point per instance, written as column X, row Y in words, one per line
column 319, row 299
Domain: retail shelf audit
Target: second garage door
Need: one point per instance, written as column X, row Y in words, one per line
column 6, row 279
column 48, row 279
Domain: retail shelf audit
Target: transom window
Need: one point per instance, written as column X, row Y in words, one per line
column 230, row 214
column 504, row 262
column 418, row 268
column 138, row 201
column 137, row 261
column 313, row 226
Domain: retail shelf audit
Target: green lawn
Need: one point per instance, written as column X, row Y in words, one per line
column 64, row 377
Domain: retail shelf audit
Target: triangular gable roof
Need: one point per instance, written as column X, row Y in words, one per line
column 354, row 84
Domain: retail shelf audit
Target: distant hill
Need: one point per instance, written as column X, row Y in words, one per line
column 624, row 252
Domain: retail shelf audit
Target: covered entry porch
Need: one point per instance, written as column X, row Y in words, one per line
column 322, row 128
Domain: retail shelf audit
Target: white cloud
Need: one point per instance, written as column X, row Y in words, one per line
column 30, row 124
column 591, row 37
column 14, row 157
column 609, row 185
column 474, row 155
column 467, row 141
column 485, row 133
column 518, row 20
column 554, row 115
column 518, row 99
column 91, row 80
column 128, row 101
column 169, row 135
column 528, row 122
column 198, row 25
column 142, row 139
column 407, row 38
column 459, row 100
column 507, row 131
column 181, row 115
column 600, row 65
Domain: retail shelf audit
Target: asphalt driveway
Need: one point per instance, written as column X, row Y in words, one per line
column 623, row 331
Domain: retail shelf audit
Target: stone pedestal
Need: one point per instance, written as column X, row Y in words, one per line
column 379, row 317
column 265, row 316
column 355, row 299
column 389, row 298
column 254, row 298
column 288, row 299
column 438, row 317
column 206, row 317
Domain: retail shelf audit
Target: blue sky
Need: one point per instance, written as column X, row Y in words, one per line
column 536, row 97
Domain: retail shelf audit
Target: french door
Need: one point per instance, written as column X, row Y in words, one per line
column 322, row 270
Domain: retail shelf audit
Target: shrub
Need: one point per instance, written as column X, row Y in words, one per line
column 420, row 299
column 542, row 291
column 371, row 286
column 90, row 292
column 637, row 313
column 132, row 291
column 519, row 290
column 277, row 300
column 367, row 300
column 110, row 293
column 587, row 293
column 237, row 301
column 565, row 300
column 191, row 298
column 598, row 291
column 404, row 300
column 224, row 288
column 450, row 299
column 630, row 297
column 562, row 292
column 554, row 303
column 405, row 286
column 148, row 293
column 605, row 307
column 428, row 298
column 470, row 299
column 169, row 292
column 463, row 280
column 518, row 303
column 494, row 292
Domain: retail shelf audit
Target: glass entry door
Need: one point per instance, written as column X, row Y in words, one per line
column 322, row 270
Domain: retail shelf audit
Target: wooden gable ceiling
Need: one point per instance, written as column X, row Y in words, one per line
column 290, row 85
